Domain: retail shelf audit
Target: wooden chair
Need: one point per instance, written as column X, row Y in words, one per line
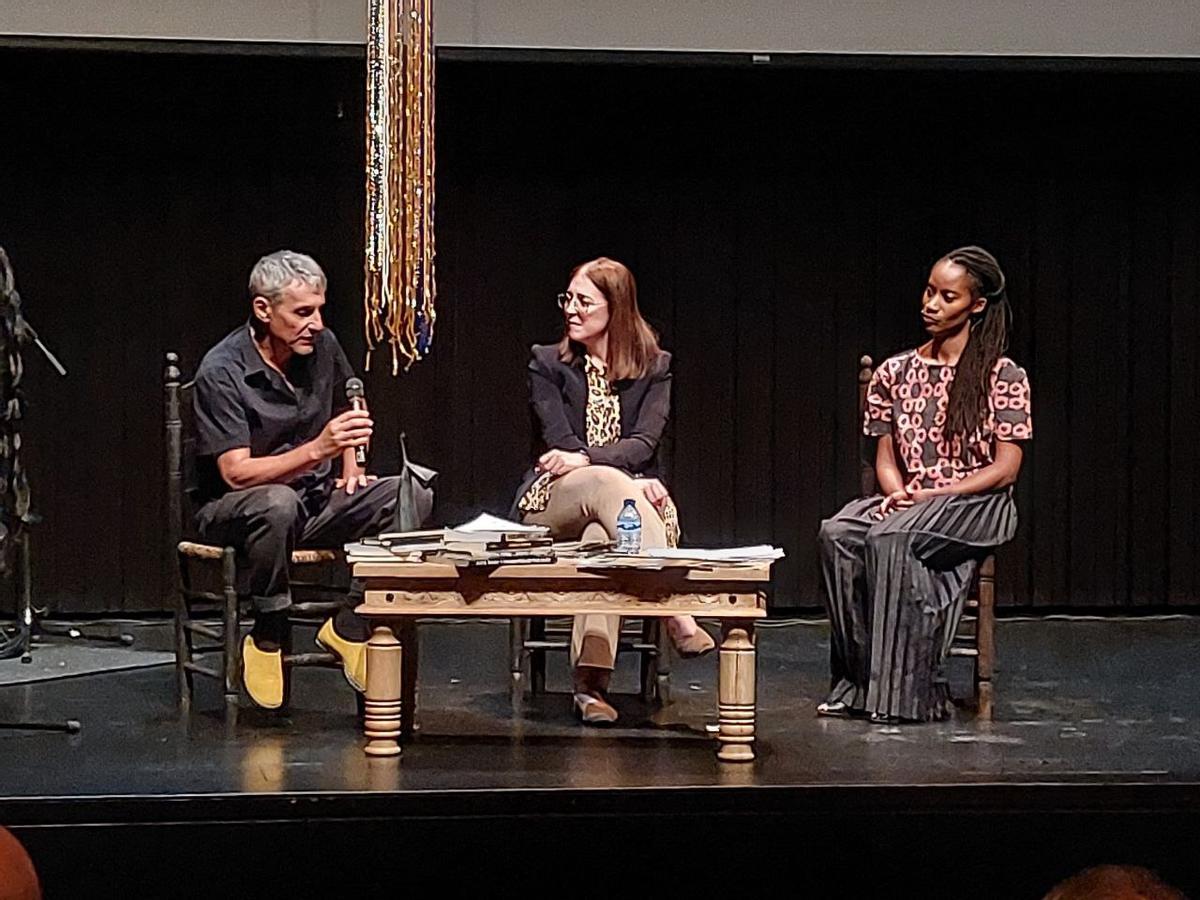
column 215, row 616
column 530, row 640
column 975, row 638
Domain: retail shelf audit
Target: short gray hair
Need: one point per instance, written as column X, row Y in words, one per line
column 273, row 273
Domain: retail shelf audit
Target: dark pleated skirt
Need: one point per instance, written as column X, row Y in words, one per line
column 895, row 592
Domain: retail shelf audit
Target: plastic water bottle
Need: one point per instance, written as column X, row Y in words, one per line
column 629, row 529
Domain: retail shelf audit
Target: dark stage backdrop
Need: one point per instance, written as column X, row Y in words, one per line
column 780, row 223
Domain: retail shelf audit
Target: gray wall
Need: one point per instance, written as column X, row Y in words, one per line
column 1169, row 28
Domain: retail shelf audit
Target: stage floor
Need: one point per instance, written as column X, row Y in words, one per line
column 1090, row 716
column 1080, row 701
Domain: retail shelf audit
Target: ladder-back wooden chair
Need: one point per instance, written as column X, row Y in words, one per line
column 532, row 638
column 975, row 638
column 214, row 617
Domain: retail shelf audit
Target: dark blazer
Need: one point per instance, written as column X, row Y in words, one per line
column 558, row 398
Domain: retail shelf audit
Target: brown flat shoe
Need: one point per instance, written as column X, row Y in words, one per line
column 593, row 709
column 696, row 644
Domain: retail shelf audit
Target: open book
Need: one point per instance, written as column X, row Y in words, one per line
column 489, row 529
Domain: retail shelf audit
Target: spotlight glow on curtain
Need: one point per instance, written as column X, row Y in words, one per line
column 400, row 283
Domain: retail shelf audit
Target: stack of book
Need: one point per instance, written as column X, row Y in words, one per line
column 408, row 544
column 485, row 540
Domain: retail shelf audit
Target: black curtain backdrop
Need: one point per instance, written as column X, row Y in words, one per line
column 780, row 221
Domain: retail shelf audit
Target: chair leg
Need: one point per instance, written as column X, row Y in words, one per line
column 985, row 637
column 409, row 664
column 649, row 661
column 287, row 648
column 232, row 664
column 183, row 638
column 983, row 701
column 662, row 664
column 517, row 629
column 537, row 658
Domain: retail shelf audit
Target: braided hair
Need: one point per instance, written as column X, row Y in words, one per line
column 966, row 408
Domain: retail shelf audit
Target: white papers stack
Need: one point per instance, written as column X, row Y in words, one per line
column 694, row 557
column 757, row 553
column 621, row 561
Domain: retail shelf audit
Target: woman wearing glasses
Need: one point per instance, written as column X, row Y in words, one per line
column 602, row 396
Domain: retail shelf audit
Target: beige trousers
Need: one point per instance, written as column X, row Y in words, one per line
column 585, row 504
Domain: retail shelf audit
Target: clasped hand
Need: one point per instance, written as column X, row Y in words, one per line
column 902, row 499
column 560, row 462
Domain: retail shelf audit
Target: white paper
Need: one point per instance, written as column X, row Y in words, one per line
column 486, row 522
column 620, row 561
column 723, row 554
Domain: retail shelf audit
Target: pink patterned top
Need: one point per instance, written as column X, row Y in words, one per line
column 907, row 399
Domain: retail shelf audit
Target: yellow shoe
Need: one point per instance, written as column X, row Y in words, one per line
column 262, row 673
column 353, row 655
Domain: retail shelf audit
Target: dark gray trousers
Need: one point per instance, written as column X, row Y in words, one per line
column 266, row 523
column 895, row 591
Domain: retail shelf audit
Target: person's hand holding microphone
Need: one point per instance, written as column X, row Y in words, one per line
column 350, row 430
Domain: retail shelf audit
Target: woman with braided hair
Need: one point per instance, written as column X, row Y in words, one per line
column 950, row 417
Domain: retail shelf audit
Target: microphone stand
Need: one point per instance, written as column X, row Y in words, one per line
column 70, row 726
column 15, row 523
column 24, row 329
column 29, row 623
column 16, row 331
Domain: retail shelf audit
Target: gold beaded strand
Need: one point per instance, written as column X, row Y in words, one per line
column 400, row 283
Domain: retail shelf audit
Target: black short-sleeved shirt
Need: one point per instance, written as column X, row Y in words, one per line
column 240, row 401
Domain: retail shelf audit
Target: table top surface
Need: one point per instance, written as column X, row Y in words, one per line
column 563, row 569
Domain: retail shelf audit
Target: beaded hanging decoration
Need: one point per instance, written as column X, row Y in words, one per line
column 400, row 282
column 14, row 488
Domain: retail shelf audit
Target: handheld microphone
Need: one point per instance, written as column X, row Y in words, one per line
column 354, row 393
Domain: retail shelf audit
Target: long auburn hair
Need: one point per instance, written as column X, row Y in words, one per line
column 966, row 407
column 632, row 343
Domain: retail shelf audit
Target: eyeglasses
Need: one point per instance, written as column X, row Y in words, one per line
column 582, row 303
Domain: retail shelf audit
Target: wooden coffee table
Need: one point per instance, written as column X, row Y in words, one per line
column 398, row 592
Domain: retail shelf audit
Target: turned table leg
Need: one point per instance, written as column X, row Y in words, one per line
column 736, row 692
column 382, row 719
